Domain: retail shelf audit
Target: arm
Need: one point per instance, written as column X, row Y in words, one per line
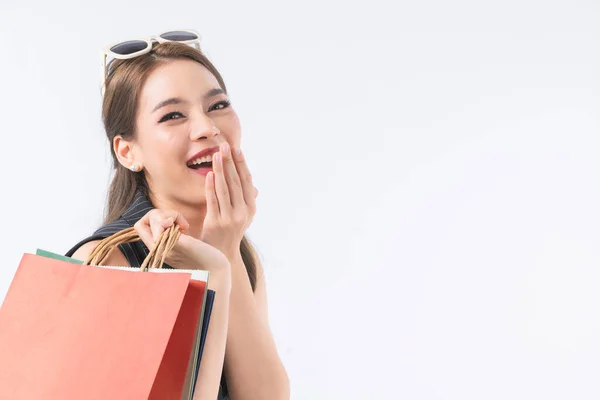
column 252, row 365
column 253, row 368
column 211, row 367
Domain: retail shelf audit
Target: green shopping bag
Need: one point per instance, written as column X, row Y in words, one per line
column 49, row 254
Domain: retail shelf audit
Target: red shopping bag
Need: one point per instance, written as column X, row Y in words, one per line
column 70, row 331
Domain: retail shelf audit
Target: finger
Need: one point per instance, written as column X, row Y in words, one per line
column 142, row 227
column 248, row 189
column 212, row 203
column 166, row 223
column 155, row 222
column 231, row 176
column 158, row 224
column 221, row 186
column 176, row 218
column 179, row 220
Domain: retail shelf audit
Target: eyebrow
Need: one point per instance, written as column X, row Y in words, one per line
column 214, row 92
column 176, row 100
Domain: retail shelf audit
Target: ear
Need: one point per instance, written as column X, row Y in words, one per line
column 127, row 152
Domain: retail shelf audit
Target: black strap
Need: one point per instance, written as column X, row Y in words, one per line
column 134, row 252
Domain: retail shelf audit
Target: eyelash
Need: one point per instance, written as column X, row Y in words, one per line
column 169, row 116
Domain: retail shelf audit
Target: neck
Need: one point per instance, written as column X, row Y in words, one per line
column 194, row 214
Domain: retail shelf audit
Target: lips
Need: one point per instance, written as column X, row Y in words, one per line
column 202, row 170
column 201, row 162
column 203, row 153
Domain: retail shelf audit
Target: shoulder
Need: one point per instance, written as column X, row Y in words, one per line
column 115, row 258
column 84, row 248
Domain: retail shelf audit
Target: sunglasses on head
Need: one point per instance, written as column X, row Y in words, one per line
column 137, row 47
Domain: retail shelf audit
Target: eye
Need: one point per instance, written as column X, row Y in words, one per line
column 170, row 116
column 220, row 105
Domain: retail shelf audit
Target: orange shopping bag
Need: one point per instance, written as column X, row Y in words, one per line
column 73, row 332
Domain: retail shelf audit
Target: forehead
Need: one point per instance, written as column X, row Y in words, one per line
column 177, row 78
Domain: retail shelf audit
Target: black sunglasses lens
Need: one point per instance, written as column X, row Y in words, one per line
column 129, row 47
column 179, row 36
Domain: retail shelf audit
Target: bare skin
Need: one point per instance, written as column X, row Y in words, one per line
column 214, row 212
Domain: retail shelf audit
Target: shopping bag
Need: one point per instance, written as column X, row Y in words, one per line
column 208, row 304
column 75, row 331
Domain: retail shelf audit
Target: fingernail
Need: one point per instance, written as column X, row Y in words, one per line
column 218, row 157
column 238, row 151
column 225, row 148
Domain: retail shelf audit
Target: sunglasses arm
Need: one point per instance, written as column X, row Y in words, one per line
column 103, row 77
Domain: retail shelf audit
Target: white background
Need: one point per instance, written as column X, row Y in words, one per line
column 428, row 175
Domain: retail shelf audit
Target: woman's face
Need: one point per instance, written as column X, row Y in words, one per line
column 182, row 111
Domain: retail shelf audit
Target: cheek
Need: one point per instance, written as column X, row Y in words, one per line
column 163, row 148
column 232, row 130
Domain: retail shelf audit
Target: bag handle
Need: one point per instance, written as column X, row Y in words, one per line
column 155, row 259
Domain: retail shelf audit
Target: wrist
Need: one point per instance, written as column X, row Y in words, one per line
column 220, row 280
column 234, row 256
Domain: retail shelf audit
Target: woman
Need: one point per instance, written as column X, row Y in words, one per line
column 175, row 142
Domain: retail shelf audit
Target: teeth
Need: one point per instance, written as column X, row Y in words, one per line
column 201, row 160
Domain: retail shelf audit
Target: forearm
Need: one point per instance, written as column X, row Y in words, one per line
column 253, row 367
column 211, row 365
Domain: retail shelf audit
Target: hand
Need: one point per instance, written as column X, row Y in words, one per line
column 188, row 253
column 230, row 201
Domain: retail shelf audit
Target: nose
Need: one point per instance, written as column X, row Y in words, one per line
column 203, row 128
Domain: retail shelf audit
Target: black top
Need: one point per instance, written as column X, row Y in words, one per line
column 134, row 252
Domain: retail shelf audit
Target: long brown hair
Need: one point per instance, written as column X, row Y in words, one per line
column 124, row 83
